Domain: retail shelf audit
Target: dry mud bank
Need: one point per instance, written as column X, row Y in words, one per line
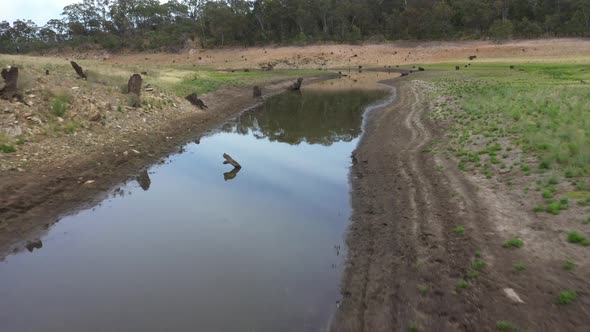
column 409, row 267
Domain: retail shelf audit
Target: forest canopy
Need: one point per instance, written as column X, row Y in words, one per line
column 150, row 25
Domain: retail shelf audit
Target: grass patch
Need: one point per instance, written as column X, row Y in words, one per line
column 59, row 105
column 519, row 267
column 462, row 284
column 568, row 265
column 504, row 326
column 513, row 243
column 566, row 297
column 459, row 230
column 544, row 110
column 7, row 148
column 575, row 237
column 209, row 81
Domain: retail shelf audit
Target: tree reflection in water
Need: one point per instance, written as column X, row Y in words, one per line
column 314, row 117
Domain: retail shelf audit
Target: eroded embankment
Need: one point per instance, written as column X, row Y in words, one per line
column 408, row 265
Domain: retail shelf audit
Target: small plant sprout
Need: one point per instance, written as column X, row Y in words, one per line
column 519, row 267
column 568, row 265
column 504, row 326
column 459, row 230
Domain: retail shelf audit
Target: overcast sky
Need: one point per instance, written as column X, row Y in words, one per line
column 39, row 11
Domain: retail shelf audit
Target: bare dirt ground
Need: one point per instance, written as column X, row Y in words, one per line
column 379, row 55
column 406, row 260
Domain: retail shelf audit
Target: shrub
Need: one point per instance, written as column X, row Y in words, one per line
column 575, row 237
column 7, row 148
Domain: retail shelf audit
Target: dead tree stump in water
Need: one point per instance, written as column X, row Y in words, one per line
column 10, row 89
column 79, row 70
column 134, row 89
column 296, row 86
column 231, row 161
column 257, row 92
column 193, row 99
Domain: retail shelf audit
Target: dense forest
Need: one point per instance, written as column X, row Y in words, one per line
column 176, row 24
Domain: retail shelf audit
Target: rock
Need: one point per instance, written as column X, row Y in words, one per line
column 89, row 182
column 511, row 294
column 59, row 119
column 13, row 131
column 35, row 119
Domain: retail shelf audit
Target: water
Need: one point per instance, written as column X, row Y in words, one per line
column 193, row 245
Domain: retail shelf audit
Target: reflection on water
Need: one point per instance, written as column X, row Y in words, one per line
column 181, row 249
column 313, row 117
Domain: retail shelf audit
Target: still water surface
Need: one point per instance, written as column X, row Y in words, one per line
column 193, row 246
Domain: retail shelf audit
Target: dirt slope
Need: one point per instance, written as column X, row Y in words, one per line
column 406, row 260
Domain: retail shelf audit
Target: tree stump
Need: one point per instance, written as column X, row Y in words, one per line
column 257, row 92
column 144, row 180
column 134, row 89
column 231, row 161
column 296, row 86
column 193, row 99
column 10, row 89
column 457, row 67
column 79, row 70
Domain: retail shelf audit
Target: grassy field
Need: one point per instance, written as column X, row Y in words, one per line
column 180, row 80
column 524, row 119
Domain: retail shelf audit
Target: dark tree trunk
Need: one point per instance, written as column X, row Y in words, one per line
column 79, row 70
column 134, row 89
column 10, row 89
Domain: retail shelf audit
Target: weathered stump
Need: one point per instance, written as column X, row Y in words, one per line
column 257, row 92
column 144, row 180
column 457, row 67
column 231, row 161
column 10, row 89
column 134, row 89
column 79, row 70
column 232, row 174
column 296, row 86
column 471, row 57
column 47, row 72
column 193, row 99
column 421, row 69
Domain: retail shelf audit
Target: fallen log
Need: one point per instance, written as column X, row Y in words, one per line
column 231, row 161
column 79, row 70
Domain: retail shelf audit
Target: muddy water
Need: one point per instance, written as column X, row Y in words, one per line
column 192, row 245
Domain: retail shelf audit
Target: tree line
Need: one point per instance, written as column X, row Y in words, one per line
column 150, row 25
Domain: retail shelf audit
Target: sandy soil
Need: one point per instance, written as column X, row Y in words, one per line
column 380, row 55
column 405, row 260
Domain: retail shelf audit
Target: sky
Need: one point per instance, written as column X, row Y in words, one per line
column 39, row 11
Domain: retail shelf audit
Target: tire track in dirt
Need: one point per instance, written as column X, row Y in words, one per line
column 404, row 259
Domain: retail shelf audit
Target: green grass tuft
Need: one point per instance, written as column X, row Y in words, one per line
column 566, row 297
column 575, row 237
column 513, row 243
column 504, row 326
